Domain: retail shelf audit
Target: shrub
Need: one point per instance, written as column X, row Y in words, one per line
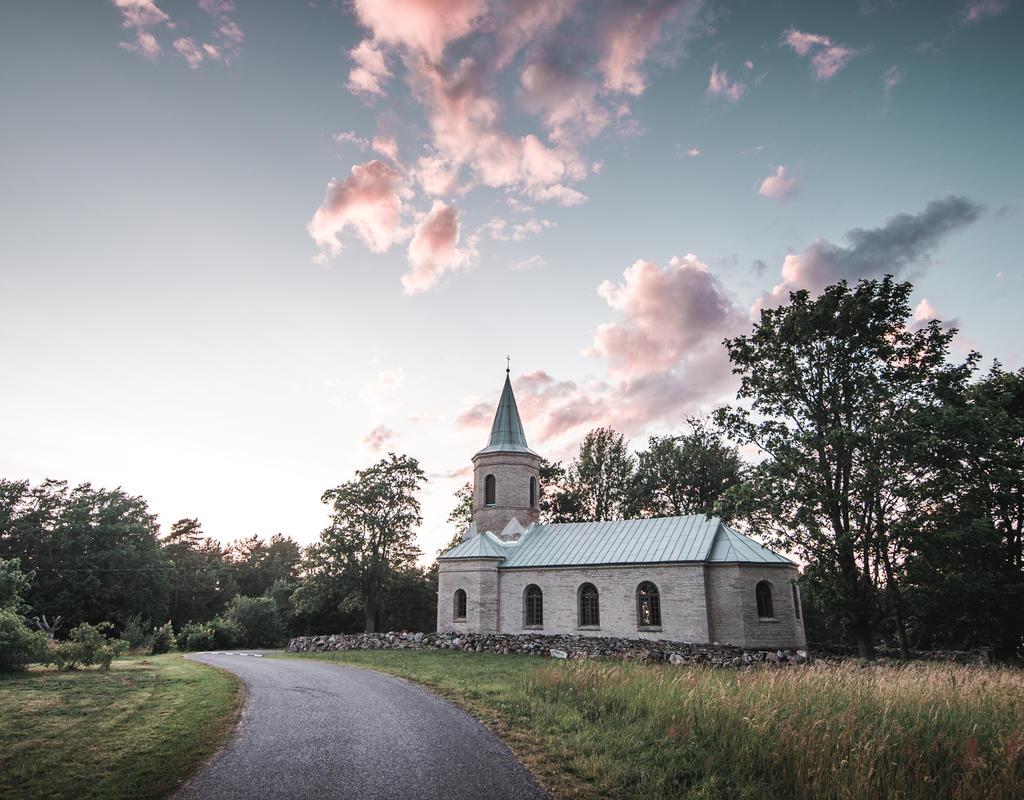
column 87, row 645
column 162, row 639
column 258, row 620
column 19, row 644
column 217, row 634
column 135, row 632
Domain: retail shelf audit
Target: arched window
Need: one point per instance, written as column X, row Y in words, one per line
column 533, row 607
column 648, row 605
column 765, row 606
column 796, row 599
column 590, row 612
column 460, row 604
column 489, row 490
column 533, row 492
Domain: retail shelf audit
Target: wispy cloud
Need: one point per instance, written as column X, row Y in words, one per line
column 829, row 56
column 978, row 10
column 719, row 86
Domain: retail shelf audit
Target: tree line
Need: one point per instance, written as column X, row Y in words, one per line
column 857, row 444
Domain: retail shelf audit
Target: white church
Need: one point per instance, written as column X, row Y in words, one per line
column 688, row 579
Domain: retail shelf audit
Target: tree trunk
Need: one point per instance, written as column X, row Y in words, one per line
column 897, row 605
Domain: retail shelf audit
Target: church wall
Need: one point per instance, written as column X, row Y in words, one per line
column 732, row 606
column 681, row 587
column 479, row 578
column 512, row 473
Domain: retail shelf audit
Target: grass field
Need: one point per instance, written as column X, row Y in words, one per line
column 134, row 732
column 593, row 729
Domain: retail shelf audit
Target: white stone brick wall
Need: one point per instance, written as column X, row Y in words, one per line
column 732, row 607
column 699, row 603
column 681, row 589
column 512, row 473
column 479, row 578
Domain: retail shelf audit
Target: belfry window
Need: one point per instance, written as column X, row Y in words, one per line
column 533, row 492
column 460, row 604
column 648, row 606
column 590, row 612
column 765, row 606
column 489, row 490
column 533, row 607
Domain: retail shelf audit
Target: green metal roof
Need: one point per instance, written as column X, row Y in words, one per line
column 484, row 545
column 507, row 434
column 695, row 538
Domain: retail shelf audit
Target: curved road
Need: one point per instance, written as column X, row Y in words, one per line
column 315, row 730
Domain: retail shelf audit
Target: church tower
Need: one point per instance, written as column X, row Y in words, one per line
column 506, row 475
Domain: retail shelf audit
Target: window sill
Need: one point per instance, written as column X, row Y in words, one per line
column 767, row 619
column 458, row 619
column 649, row 628
column 533, row 627
column 588, row 627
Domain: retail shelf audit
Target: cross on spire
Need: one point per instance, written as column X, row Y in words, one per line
column 508, row 364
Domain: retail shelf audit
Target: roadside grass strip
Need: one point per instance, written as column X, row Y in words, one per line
column 137, row 731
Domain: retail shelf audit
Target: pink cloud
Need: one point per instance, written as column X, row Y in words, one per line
column 778, row 186
column 478, row 415
column 903, row 242
column 890, row 78
column 434, row 249
column 369, row 202
column 974, row 12
column 719, row 86
column 627, row 35
column 370, row 71
column 190, row 51
column 830, row 56
column 802, row 43
column 386, row 146
column 426, row 26
column 376, row 439
column 140, row 16
column 832, row 59
column 669, row 314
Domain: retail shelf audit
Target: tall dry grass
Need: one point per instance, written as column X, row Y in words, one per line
column 921, row 731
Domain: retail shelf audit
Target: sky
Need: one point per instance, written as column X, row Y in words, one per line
column 247, row 248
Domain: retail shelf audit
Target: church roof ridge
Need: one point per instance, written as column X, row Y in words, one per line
column 694, row 538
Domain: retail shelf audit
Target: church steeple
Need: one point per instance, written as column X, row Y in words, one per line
column 506, row 474
column 507, row 434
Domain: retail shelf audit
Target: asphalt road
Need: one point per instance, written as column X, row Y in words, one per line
column 324, row 731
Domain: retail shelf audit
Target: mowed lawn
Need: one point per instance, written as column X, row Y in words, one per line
column 136, row 731
column 601, row 729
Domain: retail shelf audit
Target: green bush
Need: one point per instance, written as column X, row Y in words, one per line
column 162, row 639
column 87, row 645
column 258, row 620
column 19, row 644
column 217, row 634
column 135, row 632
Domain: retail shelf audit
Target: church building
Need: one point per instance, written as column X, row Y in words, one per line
column 688, row 579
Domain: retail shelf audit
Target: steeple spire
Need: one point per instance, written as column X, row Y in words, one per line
column 507, row 434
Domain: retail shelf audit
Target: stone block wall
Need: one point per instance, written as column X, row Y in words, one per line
column 684, row 614
column 512, row 473
column 478, row 577
column 732, row 606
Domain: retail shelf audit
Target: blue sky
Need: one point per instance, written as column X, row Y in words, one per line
column 175, row 320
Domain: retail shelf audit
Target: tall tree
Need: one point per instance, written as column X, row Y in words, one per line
column 462, row 514
column 967, row 575
column 835, row 388
column 686, row 473
column 256, row 564
column 94, row 554
column 371, row 532
column 598, row 484
column 202, row 583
